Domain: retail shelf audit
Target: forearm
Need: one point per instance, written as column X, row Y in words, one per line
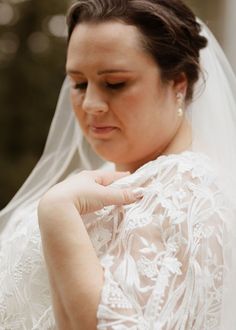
column 61, row 318
column 73, row 266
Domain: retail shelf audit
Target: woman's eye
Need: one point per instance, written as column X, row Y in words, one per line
column 83, row 86
column 116, row 85
column 80, row 86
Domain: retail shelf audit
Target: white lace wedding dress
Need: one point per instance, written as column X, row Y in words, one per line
column 162, row 256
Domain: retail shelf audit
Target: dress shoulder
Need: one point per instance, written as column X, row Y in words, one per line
column 162, row 256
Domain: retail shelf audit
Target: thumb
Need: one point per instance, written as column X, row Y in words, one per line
column 123, row 196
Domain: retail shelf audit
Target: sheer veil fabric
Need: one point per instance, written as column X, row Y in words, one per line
column 213, row 117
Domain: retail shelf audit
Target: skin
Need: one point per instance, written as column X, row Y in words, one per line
column 75, row 272
column 143, row 111
column 141, row 107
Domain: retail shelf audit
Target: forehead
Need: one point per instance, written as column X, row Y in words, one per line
column 103, row 34
column 113, row 41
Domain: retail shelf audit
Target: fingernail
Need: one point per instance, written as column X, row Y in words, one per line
column 138, row 192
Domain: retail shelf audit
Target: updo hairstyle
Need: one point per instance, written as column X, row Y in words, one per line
column 170, row 32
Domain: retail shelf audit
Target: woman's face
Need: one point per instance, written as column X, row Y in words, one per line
column 126, row 113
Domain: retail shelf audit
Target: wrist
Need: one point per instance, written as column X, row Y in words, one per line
column 52, row 207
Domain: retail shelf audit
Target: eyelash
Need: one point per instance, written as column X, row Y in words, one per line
column 83, row 86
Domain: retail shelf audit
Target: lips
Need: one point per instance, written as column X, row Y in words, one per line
column 101, row 128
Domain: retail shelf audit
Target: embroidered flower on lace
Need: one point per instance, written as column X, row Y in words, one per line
column 143, row 288
column 179, row 195
column 176, row 216
column 147, row 268
column 172, row 264
column 172, row 241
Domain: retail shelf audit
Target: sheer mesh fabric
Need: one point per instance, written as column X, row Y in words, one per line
column 162, row 256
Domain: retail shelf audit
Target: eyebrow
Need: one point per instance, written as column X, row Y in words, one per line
column 71, row 71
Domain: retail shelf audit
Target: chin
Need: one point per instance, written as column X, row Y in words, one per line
column 118, row 153
column 109, row 156
column 110, row 153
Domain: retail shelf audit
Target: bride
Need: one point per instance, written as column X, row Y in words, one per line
column 128, row 219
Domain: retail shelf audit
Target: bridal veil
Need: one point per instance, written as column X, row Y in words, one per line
column 213, row 117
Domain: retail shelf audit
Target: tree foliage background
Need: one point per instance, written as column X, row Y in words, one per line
column 32, row 60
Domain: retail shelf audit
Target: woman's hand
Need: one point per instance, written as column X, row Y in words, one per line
column 89, row 191
column 76, row 276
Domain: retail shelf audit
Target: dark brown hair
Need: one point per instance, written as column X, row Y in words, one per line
column 169, row 28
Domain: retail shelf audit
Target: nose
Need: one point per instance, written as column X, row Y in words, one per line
column 93, row 101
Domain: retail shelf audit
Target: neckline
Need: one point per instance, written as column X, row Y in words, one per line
column 166, row 156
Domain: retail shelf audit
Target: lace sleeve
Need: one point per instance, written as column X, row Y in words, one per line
column 164, row 267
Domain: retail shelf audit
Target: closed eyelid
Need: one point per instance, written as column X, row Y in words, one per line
column 115, row 85
column 110, row 85
column 82, row 85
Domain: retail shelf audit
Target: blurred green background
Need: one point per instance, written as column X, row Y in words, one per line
column 32, row 59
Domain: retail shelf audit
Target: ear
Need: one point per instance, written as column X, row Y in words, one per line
column 180, row 84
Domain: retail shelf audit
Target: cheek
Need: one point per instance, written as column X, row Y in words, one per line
column 148, row 115
column 75, row 101
column 139, row 106
column 76, row 106
column 131, row 102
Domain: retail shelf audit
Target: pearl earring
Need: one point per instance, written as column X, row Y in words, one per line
column 180, row 99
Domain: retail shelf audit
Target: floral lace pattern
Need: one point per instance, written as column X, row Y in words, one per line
column 162, row 256
column 24, row 296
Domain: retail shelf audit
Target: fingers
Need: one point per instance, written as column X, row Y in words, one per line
column 108, row 177
column 116, row 196
column 130, row 196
